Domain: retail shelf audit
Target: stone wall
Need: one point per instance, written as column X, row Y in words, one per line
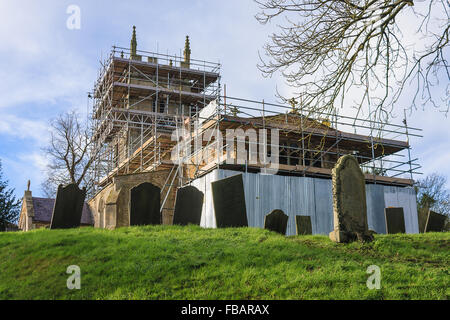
column 110, row 206
column 27, row 212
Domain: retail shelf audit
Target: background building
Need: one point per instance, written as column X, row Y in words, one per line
column 37, row 213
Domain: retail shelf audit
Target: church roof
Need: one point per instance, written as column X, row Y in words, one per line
column 43, row 209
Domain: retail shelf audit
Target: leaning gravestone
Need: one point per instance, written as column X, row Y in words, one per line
column 395, row 220
column 276, row 221
column 188, row 206
column 303, row 225
column 145, row 205
column 229, row 202
column 349, row 202
column 435, row 222
column 68, row 207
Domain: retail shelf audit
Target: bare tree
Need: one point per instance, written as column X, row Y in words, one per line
column 433, row 194
column 70, row 154
column 324, row 48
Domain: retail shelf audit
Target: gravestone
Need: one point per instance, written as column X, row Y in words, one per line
column 435, row 222
column 229, row 202
column 68, row 207
column 276, row 221
column 303, row 225
column 349, row 202
column 145, row 205
column 395, row 220
column 188, row 206
column 422, row 217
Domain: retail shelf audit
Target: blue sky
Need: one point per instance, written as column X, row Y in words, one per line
column 47, row 68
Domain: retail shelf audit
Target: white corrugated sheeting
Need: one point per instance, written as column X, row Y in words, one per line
column 305, row 196
column 406, row 198
column 375, row 207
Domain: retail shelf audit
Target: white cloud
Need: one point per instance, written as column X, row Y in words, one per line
column 23, row 128
column 38, row 160
column 40, row 63
column 23, row 167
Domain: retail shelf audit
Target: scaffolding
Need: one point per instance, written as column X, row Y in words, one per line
column 142, row 98
column 310, row 143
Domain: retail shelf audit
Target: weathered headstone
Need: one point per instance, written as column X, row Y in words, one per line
column 145, row 205
column 276, row 221
column 188, row 206
column 435, row 222
column 68, row 207
column 349, row 202
column 229, row 202
column 395, row 220
column 303, row 225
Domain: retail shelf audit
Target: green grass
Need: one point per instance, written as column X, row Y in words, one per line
column 171, row 262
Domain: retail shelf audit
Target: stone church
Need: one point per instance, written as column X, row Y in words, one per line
column 37, row 212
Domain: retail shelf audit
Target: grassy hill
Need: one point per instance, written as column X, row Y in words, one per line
column 170, row 262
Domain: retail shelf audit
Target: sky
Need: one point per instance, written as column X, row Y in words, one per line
column 47, row 68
